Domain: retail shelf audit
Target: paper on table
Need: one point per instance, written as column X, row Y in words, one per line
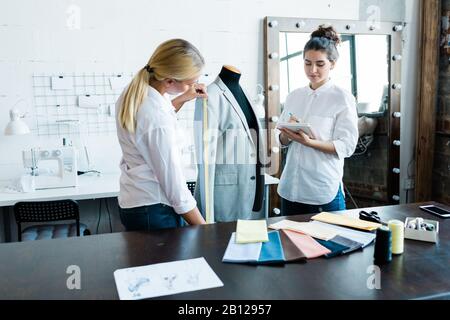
column 306, row 244
column 306, row 228
column 165, row 279
column 359, row 236
column 240, row 253
column 343, row 220
column 251, row 231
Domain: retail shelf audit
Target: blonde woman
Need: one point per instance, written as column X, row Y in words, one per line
column 153, row 190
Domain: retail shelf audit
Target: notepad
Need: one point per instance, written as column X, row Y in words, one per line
column 241, row 253
column 306, row 228
column 296, row 127
column 343, row 220
column 251, row 231
column 310, row 247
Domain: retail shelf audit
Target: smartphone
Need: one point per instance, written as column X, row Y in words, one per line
column 437, row 211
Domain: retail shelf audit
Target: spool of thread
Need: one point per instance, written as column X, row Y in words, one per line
column 398, row 236
column 419, row 223
column 383, row 245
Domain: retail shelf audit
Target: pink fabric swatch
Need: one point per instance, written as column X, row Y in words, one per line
column 310, row 247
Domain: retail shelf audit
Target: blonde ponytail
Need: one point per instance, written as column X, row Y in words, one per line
column 132, row 99
column 174, row 59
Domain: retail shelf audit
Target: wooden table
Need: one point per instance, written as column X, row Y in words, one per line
column 37, row 270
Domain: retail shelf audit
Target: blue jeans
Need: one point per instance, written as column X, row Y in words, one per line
column 157, row 216
column 289, row 208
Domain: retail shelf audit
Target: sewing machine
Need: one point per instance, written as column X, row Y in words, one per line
column 52, row 168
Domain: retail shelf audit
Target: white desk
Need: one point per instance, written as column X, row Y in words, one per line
column 90, row 186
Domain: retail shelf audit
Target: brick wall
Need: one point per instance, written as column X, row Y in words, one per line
column 441, row 167
column 365, row 176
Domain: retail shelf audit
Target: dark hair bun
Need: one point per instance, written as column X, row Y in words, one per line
column 327, row 32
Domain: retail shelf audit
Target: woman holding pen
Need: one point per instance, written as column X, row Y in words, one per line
column 153, row 190
column 312, row 178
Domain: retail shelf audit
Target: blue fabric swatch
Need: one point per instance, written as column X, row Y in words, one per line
column 335, row 248
column 272, row 251
column 352, row 245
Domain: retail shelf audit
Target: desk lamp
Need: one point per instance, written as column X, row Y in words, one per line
column 16, row 125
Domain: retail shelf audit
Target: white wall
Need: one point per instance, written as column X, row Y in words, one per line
column 409, row 95
column 120, row 35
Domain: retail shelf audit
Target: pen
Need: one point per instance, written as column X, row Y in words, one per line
column 293, row 117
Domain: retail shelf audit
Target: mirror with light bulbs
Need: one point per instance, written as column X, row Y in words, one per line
column 370, row 67
column 362, row 69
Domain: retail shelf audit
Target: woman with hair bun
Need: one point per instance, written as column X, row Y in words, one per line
column 312, row 178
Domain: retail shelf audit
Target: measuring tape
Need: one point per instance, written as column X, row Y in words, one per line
column 209, row 217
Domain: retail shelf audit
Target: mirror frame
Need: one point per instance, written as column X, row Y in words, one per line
column 272, row 28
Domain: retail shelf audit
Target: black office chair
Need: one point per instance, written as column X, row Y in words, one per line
column 47, row 211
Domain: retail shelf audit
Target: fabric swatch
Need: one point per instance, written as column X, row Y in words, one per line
column 343, row 220
column 335, row 248
column 351, row 245
column 365, row 238
column 308, row 228
column 251, row 231
column 241, row 253
column 306, row 244
column 291, row 252
column 272, row 251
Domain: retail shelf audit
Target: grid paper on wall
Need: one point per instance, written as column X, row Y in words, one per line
column 77, row 104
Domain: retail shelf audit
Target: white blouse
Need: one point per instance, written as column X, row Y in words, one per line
column 151, row 166
column 311, row 176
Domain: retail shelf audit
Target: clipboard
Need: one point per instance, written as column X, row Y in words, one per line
column 297, row 127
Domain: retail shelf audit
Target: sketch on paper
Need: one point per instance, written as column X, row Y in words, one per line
column 135, row 285
column 165, row 279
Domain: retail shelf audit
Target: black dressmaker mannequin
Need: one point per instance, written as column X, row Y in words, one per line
column 231, row 76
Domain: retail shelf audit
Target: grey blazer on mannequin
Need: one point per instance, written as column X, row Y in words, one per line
column 233, row 158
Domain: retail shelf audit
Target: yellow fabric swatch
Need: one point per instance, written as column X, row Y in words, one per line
column 251, row 231
column 346, row 221
column 308, row 228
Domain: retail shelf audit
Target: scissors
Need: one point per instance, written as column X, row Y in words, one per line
column 372, row 217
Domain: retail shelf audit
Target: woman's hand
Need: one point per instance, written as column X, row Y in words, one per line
column 299, row 137
column 197, row 90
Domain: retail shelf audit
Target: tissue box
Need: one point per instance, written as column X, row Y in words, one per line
column 421, row 235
